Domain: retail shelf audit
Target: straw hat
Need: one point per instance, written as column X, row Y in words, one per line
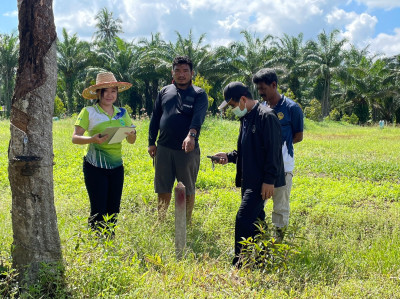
column 104, row 80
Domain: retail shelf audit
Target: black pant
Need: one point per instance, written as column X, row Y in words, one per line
column 251, row 209
column 104, row 187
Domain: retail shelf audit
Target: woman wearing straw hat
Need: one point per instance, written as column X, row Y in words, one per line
column 102, row 166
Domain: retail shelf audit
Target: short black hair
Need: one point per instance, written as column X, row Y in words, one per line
column 266, row 75
column 182, row 60
column 235, row 90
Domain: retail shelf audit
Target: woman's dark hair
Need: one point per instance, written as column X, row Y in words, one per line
column 182, row 60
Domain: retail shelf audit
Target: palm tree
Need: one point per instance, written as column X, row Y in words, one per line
column 393, row 67
column 325, row 60
column 195, row 50
column 290, row 54
column 367, row 89
column 243, row 59
column 122, row 59
column 9, row 48
column 156, row 60
column 108, row 27
column 73, row 57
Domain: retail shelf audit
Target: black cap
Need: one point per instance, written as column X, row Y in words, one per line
column 233, row 90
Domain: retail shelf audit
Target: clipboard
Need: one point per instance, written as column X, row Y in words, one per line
column 116, row 134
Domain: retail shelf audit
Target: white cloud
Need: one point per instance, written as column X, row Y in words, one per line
column 362, row 27
column 232, row 21
column 13, row 13
column 340, row 17
column 222, row 20
column 358, row 28
column 387, row 44
column 384, row 4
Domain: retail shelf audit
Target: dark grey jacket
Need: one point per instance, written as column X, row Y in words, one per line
column 259, row 150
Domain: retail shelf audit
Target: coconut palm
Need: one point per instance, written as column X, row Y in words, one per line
column 107, row 27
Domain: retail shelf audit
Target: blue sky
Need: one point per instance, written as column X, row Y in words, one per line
column 363, row 22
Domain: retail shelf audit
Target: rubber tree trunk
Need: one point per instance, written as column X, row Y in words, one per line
column 30, row 154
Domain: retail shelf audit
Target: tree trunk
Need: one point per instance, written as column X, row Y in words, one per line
column 325, row 97
column 30, row 153
column 69, row 87
column 148, row 98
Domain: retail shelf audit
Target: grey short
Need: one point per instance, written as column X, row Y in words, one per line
column 175, row 164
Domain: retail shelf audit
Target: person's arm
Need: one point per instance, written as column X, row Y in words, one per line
column 199, row 112
column 131, row 136
column 273, row 148
column 223, row 158
column 273, row 155
column 297, row 123
column 155, row 120
column 232, row 157
column 79, row 138
column 297, row 137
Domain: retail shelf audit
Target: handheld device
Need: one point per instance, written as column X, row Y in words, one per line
column 214, row 158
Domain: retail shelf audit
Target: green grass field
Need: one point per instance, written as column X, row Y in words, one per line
column 345, row 210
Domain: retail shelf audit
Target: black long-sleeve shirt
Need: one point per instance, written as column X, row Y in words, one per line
column 175, row 112
column 259, row 150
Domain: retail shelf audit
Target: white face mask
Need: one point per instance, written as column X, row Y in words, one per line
column 239, row 113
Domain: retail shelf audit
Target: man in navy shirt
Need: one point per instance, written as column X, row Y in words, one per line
column 290, row 117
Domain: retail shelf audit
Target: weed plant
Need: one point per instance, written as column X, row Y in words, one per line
column 345, row 207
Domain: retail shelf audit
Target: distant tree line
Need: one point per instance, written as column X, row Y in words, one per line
column 324, row 77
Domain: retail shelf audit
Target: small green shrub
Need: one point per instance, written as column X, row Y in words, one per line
column 314, row 111
column 51, row 283
column 128, row 109
column 59, row 108
column 229, row 114
column 334, row 115
column 264, row 252
column 8, row 282
column 201, row 82
column 352, row 119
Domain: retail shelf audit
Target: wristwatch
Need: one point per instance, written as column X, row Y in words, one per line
column 191, row 134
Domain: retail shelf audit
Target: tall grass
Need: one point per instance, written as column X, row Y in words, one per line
column 345, row 207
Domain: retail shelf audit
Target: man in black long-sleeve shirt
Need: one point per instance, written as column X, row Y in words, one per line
column 178, row 115
column 258, row 158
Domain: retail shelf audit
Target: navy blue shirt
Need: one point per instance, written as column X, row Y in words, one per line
column 291, row 119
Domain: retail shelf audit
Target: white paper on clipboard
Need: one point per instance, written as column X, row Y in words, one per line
column 116, row 134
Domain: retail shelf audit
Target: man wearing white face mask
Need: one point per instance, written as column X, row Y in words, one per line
column 258, row 159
